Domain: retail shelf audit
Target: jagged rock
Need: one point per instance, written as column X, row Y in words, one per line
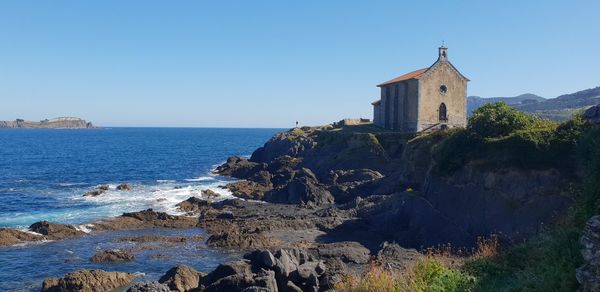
column 592, row 114
column 182, row 278
column 348, row 251
column 303, row 189
column 193, row 205
column 55, row 231
column 87, row 280
column 210, row 194
column 243, row 240
column 355, row 176
column 588, row 275
column 239, row 167
column 113, row 256
column 103, row 188
column 241, row 267
column 124, row 187
column 149, row 287
column 248, row 190
column 10, row 236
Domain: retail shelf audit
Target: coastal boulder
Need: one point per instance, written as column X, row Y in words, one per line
column 181, row 278
column 88, row 281
column 10, row 236
column 55, row 231
column 193, row 205
column 113, row 256
column 124, row 187
column 347, row 251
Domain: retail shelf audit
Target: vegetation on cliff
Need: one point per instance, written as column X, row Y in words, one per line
column 497, row 136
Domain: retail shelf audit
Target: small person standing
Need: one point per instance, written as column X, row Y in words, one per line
column 296, row 124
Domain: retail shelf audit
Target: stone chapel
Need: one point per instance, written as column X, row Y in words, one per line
column 426, row 99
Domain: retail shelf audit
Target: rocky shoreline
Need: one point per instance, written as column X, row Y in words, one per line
column 320, row 203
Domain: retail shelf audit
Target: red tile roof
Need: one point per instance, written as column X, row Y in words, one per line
column 411, row 75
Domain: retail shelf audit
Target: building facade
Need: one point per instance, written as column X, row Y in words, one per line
column 428, row 98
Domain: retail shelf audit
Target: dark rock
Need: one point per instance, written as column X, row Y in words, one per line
column 182, row 278
column 158, row 238
column 226, row 215
column 234, row 238
column 193, row 205
column 355, row 176
column 588, row 275
column 248, row 189
column 94, row 193
column 103, row 188
column 349, row 252
column 239, row 167
column 304, row 189
column 55, row 231
column 395, row 257
column 241, row 267
column 149, row 287
column 88, row 280
column 113, row 256
column 592, row 114
column 124, row 187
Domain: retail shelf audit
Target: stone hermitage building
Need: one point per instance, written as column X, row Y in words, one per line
column 425, row 99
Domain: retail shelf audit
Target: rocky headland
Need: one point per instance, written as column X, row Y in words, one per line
column 56, row 123
column 320, row 203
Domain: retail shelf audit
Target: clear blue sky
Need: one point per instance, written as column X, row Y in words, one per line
column 270, row 63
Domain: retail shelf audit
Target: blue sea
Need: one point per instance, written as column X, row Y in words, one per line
column 45, row 172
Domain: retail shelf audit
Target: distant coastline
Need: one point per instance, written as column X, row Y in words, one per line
column 56, row 123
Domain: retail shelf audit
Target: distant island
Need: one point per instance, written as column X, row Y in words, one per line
column 56, row 123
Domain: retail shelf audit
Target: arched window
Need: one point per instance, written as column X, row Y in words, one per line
column 442, row 113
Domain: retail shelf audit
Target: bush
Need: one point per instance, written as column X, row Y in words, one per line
column 497, row 120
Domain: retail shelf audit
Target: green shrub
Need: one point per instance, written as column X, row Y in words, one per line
column 497, row 120
column 432, row 276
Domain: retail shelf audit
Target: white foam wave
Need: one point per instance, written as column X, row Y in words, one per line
column 202, row 178
column 165, row 181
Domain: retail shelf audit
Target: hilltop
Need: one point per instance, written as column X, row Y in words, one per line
column 558, row 109
column 56, row 123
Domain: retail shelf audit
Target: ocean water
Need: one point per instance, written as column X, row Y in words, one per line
column 44, row 174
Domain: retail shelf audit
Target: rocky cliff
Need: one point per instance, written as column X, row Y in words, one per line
column 389, row 182
column 57, row 123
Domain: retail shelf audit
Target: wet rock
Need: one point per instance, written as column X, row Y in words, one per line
column 103, row 188
column 124, row 187
column 158, row 238
column 10, row 236
column 193, row 205
column 209, row 194
column 55, row 231
column 592, row 114
column 113, row 256
column 149, row 287
column 161, row 219
column 226, row 215
column 588, row 275
column 94, row 193
column 182, row 278
column 88, row 280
